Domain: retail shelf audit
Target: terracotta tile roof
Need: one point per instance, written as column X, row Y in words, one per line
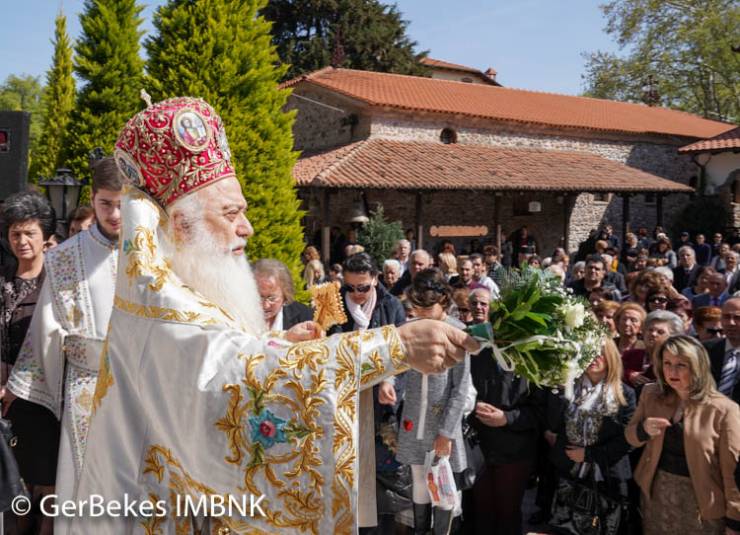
column 380, row 163
column 726, row 141
column 486, row 101
column 440, row 64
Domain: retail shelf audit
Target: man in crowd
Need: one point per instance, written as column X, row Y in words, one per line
column 716, row 244
column 683, row 240
column 480, row 276
column 703, row 251
column 419, row 260
column 495, row 268
column 277, row 294
column 194, row 397
column 731, row 270
column 403, row 250
column 716, row 295
column 685, row 273
column 58, row 364
column 593, row 278
column 724, row 354
column 391, row 272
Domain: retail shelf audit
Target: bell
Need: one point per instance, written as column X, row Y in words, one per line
column 357, row 213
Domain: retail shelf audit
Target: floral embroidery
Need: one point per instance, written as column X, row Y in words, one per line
column 267, row 429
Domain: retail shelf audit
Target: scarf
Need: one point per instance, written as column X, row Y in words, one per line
column 362, row 314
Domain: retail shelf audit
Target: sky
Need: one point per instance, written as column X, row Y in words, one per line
column 533, row 44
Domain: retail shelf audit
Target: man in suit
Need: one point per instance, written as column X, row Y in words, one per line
column 685, row 273
column 717, row 294
column 275, row 286
column 724, row 354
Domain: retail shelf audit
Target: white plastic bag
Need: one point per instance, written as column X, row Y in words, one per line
column 440, row 481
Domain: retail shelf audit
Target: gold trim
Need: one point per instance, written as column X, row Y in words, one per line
column 161, row 313
column 105, row 378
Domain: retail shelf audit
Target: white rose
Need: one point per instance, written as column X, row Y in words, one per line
column 574, row 315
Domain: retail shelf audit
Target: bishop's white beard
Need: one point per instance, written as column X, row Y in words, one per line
column 222, row 278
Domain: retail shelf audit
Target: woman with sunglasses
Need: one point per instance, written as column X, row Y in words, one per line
column 433, row 422
column 708, row 323
column 370, row 305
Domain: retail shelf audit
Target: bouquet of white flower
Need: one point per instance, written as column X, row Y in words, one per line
column 540, row 330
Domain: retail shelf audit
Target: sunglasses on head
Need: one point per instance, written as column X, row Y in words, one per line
column 362, row 288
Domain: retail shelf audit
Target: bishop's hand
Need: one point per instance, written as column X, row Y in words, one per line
column 433, row 346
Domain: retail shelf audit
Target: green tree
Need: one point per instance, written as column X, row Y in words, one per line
column 58, row 102
column 678, row 54
column 108, row 64
column 379, row 236
column 25, row 93
column 220, row 50
column 356, row 34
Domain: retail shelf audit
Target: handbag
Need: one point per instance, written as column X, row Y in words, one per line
column 581, row 509
column 476, row 460
column 11, row 483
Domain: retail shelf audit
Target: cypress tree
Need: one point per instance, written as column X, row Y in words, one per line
column 108, row 64
column 220, row 50
column 58, row 101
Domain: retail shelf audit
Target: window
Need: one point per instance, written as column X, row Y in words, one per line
column 602, row 197
column 448, row 136
column 467, row 80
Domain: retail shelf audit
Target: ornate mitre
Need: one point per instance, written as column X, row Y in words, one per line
column 173, row 148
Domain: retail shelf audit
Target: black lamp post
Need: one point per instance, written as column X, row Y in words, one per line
column 63, row 191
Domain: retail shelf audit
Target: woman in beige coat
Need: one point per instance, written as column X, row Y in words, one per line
column 691, row 435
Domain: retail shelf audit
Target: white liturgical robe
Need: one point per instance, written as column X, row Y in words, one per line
column 58, row 364
column 190, row 406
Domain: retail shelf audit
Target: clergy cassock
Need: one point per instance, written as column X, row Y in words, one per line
column 58, row 363
column 192, row 409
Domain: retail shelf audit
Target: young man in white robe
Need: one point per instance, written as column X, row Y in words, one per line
column 57, row 366
column 196, row 402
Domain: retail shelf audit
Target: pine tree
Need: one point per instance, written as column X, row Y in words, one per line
column 220, row 50
column 107, row 62
column 356, row 34
column 58, row 101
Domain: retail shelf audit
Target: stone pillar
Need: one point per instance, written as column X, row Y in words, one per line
column 625, row 216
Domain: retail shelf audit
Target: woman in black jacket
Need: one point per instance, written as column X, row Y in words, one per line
column 590, row 442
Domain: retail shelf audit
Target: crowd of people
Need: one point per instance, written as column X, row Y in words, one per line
column 653, row 422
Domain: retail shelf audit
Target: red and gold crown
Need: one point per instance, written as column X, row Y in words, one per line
column 173, row 148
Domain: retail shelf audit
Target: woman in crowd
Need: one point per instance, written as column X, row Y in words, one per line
column 658, row 299
column 664, row 254
column 606, row 312
column 638, row 363
column 534, row 262
column 643, row 284
column 335, row 273
column 29, row 221
column 310, row 253
column 81, row 219
column 682, row 308
column 447, row 263
column 629, row 319
column 691, row 435
column 432, row 422
column 708, row 323
column 461, row 309
column 703, row 276
column 590, row 445
column 578, row 271
column 314, row 273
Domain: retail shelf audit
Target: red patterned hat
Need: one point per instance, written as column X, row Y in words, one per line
column 173, row 148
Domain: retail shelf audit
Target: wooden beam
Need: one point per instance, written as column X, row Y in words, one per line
column 419, row 222
column 566, row 220
column 325, row 227
column 625, row 216
column 497, row 220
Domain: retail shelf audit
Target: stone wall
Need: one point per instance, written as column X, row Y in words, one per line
column 646, row 154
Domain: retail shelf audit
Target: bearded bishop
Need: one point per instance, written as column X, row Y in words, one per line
column 58, row 363
column 196, row 403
